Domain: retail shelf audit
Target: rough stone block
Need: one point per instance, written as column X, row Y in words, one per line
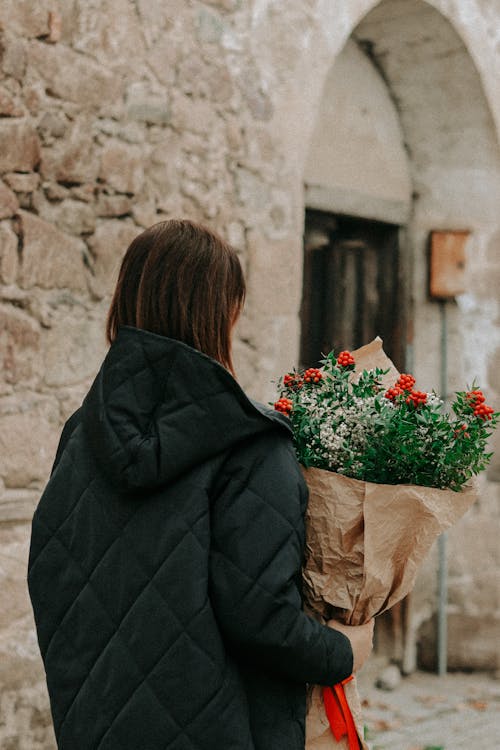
column 27, row 18
column 108, row 246
column 163, row 170
column 198, row 80
column 122, row 167
column 55, row 192
column 8, row 106
column 8, row 253
column 73, row 348
column 86, row 29
column 28, row 440
column 20, row 147
column 19, row 345
column 8, row 202
column 17, row 505
column 23, row 330
column 163, row 59
column 113, row 205
column 145, row 214
column 158, row 17
column 146, row 105
column 84, row 193
column 73, row 77
column 252, row 191
column 74, row 159
column 13, row 56
column 52, row 125
column 129, row 132
column 235, row 233
column 21, row 182
column 72, row 216
column 258, row 100
column 209, row 27
column 55, row 27
column 196, row 116
column 50, row 258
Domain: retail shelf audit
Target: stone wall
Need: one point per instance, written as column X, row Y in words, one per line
column 115, row 114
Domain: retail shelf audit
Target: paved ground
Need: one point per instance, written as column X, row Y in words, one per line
column 427, row 712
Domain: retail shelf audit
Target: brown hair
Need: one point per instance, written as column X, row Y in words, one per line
column 181, row 280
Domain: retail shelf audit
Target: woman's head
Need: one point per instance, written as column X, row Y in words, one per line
column 180, row 280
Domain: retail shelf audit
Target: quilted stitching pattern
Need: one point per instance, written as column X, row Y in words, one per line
column 140, row 571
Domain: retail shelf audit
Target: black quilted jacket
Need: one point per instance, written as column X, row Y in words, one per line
column 165, row 560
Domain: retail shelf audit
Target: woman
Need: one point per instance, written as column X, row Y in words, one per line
column 166, row 550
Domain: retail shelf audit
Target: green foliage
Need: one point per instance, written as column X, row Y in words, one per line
column 351, row 425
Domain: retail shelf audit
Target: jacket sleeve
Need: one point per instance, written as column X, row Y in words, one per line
column 255, row 566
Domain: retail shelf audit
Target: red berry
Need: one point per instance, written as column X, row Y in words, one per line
column 406, row 381
column 393, row 392
column 475, row 397
column 482, row 411
column 313, row 375
column 283, row 405
column 292, row 380
column 345, row 359
column 416, row 398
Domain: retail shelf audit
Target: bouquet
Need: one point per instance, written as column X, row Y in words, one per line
column 388, row 470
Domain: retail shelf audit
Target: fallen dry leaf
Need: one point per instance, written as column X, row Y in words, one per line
column 369, row 703
column 382, row 725
column 431, row 700
column 478, row 705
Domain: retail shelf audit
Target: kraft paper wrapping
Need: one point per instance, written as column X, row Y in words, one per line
column 365, row 541
column 364, row 545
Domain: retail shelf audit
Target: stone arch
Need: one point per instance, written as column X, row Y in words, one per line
column 296, row 72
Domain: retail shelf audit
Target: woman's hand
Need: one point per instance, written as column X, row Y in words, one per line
column 361, row 638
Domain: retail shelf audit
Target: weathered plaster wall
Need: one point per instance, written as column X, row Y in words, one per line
column 357, row 161
column 118, row 113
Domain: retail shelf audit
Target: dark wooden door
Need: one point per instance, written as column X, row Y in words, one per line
column 352, row 289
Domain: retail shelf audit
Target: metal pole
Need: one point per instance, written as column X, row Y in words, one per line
column 442, row 634
column 443, row 597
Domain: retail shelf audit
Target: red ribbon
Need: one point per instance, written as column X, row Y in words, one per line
column 339, row 714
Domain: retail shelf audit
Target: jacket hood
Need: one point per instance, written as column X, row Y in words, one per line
column 159, row 407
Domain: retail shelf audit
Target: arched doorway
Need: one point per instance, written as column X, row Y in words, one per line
column 358, row 198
